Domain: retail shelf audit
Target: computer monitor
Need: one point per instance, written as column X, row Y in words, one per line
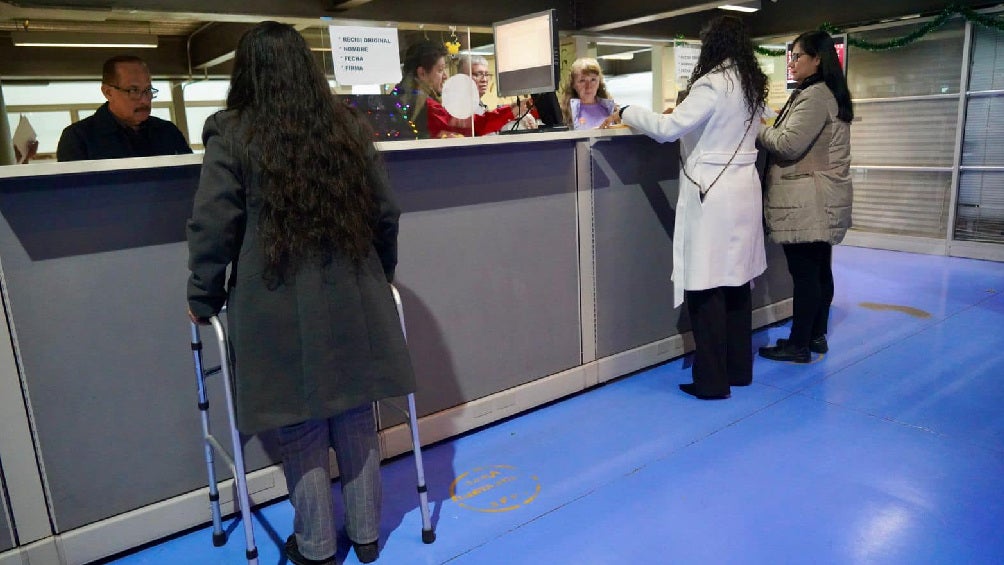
column 526, row 54
column 548, row 110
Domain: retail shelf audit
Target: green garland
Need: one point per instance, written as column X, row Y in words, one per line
column 769, row 52
column 949, row 11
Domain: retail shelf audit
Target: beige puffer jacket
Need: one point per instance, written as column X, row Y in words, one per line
column 809, row 191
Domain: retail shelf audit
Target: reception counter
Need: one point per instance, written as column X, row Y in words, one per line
column 531, row 267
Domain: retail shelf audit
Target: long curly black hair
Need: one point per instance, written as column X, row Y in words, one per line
column 725, row 38
column 314, row 153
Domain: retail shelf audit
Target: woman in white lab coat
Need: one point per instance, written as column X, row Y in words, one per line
column 718, row 238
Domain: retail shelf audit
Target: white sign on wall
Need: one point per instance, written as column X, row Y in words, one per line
column 365, row 55
column 685, row 55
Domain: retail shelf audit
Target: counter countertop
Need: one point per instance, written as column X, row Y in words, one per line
column 55, row 168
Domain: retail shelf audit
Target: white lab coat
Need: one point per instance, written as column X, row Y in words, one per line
column 718, row 242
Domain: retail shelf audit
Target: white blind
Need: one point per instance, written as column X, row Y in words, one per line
column 983, row 143
column 931, row 65
column 902, row 131
column 980, row 215
column 987, row 65
column 980, row 210
column 901, row 202
column 917, row 133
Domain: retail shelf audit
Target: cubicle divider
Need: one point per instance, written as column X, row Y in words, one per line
column 530, row 269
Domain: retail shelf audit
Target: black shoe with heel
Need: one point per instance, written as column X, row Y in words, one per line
column 786, row 352
column 816, row 345
column 691, row 389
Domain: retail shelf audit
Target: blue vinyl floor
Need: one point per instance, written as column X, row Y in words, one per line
column 888, row 449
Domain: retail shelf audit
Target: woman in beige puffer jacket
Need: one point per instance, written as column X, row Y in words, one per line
column 808, row 188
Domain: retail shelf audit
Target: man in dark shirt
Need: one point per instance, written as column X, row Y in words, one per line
column 123, row 126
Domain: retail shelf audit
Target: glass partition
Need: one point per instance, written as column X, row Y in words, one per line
column 50, row 106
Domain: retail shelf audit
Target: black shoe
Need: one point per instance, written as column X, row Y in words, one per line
column 817, row 345
column 367, row 552
column 786, row 352
column 744, row 383
column 691, row 389
column 294, row 555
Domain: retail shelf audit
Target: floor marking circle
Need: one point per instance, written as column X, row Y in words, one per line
column 494, row 488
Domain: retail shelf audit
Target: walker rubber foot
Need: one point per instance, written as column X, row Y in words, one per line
column 219, row 539
column 428, row 536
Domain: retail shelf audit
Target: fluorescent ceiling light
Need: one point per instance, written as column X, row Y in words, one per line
column 488, row 49
column 82, row 39
column 626, row 56
column 750, row 6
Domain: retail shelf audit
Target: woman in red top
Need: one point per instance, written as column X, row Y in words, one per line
column 421, row 91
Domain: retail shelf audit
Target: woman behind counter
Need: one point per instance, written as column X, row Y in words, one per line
column 292, row 185
column 718, row 235
column 808, row 200
column 585, row 102
column 421, row 89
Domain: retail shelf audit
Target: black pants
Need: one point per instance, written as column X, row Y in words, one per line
column 722, row 320
column 812, row 279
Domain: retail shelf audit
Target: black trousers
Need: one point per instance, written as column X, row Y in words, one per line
column 722, row 320
column 812, row 280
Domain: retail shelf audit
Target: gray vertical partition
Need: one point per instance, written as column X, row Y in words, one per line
column 6, row 533
column 94, row 270
column 488, row 266
column 633, row 214
column 635, row 186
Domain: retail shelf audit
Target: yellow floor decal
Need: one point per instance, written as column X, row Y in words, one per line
column 495, row 488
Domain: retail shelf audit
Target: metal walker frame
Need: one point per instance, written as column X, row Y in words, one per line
column 235, row 456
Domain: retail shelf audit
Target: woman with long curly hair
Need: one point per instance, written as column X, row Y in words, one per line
column 809, row 190
column 294, row 199
column 718, row 237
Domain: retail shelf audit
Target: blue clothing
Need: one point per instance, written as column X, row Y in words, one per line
column 101, row 136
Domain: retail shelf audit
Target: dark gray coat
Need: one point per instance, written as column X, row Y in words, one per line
column 327, row 339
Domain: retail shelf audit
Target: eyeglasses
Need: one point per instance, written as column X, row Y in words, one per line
column 136, row 94
column 796, row 56
column 482, row 75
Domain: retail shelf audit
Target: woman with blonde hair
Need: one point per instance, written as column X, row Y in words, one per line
column 585, row 102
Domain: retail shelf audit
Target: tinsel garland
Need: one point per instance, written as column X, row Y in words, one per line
column 949, row 11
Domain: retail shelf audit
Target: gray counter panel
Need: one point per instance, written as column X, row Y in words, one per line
column 488, row 266
column 775, row 284
column 634, row 203
column 6, row 537
column 633, row 209
column 94, row 272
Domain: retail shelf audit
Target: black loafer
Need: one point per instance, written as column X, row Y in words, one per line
column 367, row 552
column 817, row 345
column 294, row 555
column 786, row 352
column 691, row 389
